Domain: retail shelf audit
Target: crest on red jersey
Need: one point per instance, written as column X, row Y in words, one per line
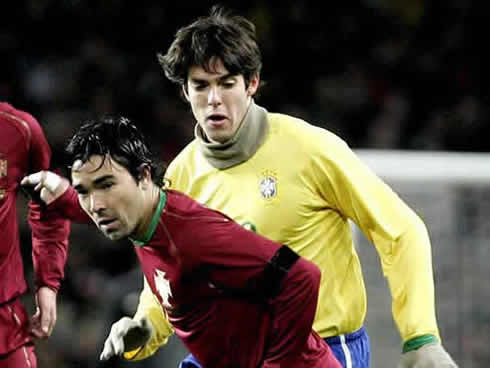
column 163, row 287
column 3, row 173
column 3, row 168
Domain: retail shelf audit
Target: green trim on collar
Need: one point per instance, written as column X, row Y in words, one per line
column 154, row 221
column 417, row 342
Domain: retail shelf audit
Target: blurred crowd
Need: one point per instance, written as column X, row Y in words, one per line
column 392, row 74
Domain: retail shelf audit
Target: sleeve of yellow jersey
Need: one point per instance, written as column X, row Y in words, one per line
column 399, row 235
column 150, row 308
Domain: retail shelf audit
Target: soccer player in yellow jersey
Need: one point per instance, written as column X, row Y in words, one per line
column 298, row 185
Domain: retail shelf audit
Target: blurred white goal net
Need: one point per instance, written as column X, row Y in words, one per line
column 451, row 193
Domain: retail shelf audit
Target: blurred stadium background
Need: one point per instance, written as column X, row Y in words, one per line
column 386, row 75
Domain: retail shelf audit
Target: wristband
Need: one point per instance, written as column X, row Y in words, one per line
column 417, row 342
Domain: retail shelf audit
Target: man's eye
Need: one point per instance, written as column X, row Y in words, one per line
column 228, row 84
column 200, row 87
column 107, row 185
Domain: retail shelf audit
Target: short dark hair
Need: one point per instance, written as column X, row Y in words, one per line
column 117, row 137
column 229, row 37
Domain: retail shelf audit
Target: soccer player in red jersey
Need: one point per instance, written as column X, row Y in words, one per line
column 235, row 298
column 23, row 150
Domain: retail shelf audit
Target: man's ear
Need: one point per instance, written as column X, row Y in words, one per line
column 144, row 175
column 253, row 85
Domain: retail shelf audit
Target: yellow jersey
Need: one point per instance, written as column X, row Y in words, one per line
column 300, row 188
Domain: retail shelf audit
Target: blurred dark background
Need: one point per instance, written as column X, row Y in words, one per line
column 389, row 74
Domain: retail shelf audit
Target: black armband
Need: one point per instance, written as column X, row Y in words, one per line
column 266, row 286
column 277, row 269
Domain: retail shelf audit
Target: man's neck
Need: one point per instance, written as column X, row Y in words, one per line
column 247, row 139
column 152, row 200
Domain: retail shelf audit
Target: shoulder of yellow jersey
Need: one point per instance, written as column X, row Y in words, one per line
column 304, row 141
column 190, row 150
column 305, row 136
column 183, row 164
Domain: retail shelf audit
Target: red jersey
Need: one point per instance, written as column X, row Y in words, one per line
column 24, row 150
column 208, row 273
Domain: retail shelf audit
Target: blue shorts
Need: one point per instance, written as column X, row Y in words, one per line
column 351, row 350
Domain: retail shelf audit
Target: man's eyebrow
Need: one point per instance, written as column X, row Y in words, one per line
column 221, row 78
column 80, row 187
column 103, row 178
column 226, row 76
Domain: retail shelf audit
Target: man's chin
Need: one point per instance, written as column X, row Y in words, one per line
column 115, row 235
column 220, row 138
column 218, row 135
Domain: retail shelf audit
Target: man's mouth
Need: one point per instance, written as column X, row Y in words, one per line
column 216, row 119
column 105, row 224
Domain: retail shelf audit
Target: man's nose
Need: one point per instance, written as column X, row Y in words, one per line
column 214, row 96
column 97, row 204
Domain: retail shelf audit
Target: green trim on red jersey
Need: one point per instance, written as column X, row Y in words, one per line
column 154, row 221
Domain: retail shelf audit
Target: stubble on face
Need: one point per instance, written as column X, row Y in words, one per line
column 108, row 194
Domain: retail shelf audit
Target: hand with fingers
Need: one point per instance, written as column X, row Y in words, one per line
column 49, row 185
column 126, row 334
column 43, row 321
column 431, row 355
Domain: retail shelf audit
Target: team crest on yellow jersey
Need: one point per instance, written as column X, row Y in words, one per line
column 268, row 185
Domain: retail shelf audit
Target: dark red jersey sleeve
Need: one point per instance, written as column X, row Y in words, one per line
column 50, row 234
column 50, row 231
column 293, row 312
column 234, row 256
column 240, row 261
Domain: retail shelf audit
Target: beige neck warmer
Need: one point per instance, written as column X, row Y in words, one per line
column 242, row 145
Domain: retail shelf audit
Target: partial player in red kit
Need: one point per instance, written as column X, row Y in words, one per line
column 23, row 150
